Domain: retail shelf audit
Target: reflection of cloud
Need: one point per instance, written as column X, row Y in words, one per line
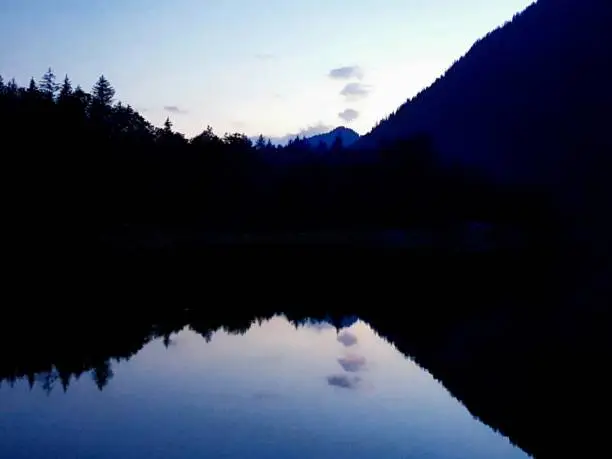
column 347, row 338
column 344, row 381
column 352, row 363
column 346, row 73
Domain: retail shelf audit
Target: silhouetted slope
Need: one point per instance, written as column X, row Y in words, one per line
column 348, row 137
column 528, row 103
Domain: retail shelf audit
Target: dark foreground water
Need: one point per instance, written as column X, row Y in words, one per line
column 275, row 392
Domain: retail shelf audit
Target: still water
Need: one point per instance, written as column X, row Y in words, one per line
column 277, row 391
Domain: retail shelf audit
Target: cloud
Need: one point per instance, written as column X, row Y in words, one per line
column 354, row 91
column 352, row 363
column 346, row 73
column 317, row 129
column 265, row 56
column 174, row 109
column 347, row 338
column 310, row 131
column 344, row 381
column 349, row 115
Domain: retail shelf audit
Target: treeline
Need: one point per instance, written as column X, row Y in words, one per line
column 80, row 162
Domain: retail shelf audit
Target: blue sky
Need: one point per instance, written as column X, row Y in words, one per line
column 253, row 66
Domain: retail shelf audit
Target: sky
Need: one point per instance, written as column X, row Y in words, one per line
column 275, row 67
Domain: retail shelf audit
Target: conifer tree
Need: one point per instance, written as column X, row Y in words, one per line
column 66, row 89
column 103, row 93
column 48, row 85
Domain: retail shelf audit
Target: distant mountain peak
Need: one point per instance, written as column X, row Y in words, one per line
column 347, row 135
column 342, row 129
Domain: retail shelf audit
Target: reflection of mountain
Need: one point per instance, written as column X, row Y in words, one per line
column 509, row 346
column 315, row 324
column 346, row 322
column 339, row 322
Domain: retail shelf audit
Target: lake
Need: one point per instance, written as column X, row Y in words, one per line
column 278, row 390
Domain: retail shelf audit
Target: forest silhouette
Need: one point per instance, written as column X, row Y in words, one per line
column 520, row 334
column 528, row 103
column 94, row 169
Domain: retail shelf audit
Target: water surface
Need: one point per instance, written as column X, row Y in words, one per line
column 277, row 391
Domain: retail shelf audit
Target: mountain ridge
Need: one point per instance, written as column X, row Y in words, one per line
column 528, row 105
column 347, row 135
column 514, row 88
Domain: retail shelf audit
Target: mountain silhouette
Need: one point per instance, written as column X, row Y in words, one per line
column 528, row 103
column 348, row 137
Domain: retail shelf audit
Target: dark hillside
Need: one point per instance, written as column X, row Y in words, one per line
column 530, row 102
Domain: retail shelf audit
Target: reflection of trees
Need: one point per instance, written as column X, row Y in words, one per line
column 94, row 349
column 47, row 380
column 481, row 346
column 102, row 373
column 59, row 351
column 65, row 377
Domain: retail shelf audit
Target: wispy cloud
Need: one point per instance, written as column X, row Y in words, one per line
column 175, row 110
column 349, row 115
column 265, row 56
column 346, row 73
column 309, row 131
column 355, row 91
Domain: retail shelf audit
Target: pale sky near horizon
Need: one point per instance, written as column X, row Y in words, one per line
column 253, row 66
